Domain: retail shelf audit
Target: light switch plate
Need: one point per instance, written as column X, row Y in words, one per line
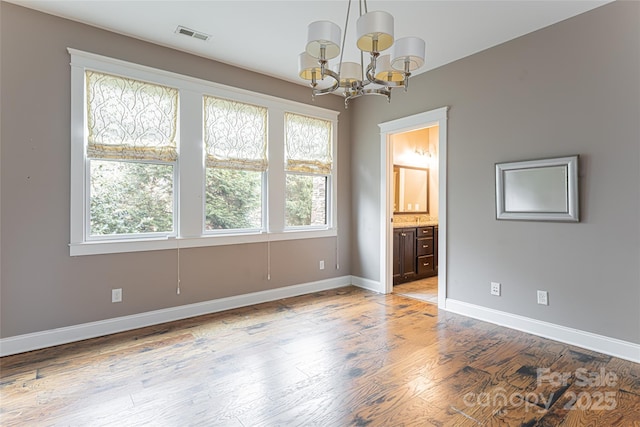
column 543, row 297
column 116, row 295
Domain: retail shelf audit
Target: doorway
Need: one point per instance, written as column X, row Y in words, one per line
column 415, row 213
column 435, row 119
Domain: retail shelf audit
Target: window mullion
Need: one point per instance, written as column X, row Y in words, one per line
column 276, row 175
column 190, row 165
column 332, row 184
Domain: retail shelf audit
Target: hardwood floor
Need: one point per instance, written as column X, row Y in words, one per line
column 423, row 289
column 346, row 357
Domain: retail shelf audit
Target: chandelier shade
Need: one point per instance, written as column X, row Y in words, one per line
column 375, row 34
column 385, row 72
column 375, row 31
column 350, row 73
column 323, row 36
column 408, row 50
column 308, row 67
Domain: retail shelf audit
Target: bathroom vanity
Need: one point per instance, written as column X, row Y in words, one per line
column 415, row 252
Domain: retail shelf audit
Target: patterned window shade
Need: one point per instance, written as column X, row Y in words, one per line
column 308, row 144
column 130, row 119
column 235, row 135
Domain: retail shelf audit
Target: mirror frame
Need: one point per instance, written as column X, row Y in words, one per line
column 395, row 192
column 539, row 181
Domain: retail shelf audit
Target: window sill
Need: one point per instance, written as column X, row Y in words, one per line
column 158, row 244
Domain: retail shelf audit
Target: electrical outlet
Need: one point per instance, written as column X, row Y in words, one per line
column 543, row 297
column 116, row 295
column 495, row 288
column 321, row 264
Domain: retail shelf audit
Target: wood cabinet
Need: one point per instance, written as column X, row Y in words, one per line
column 415, row 253
column 435, row 249
column 425, row 245
column 404, row 255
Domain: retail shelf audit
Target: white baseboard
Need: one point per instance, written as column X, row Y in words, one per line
column 368, row 284
column 602, row 344
column 37, row 340
column 49, row 338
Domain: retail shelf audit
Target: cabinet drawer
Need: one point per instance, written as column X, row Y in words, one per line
column 425, row 264
column 425, row 232
column 425, row 246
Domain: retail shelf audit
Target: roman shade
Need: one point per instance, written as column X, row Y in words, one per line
column 235, row 135
column 130, row 119
column 308, row 144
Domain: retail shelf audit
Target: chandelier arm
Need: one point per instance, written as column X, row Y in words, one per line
column 362, row 92
column 350, row 97
column 336, row 82
column 385, row 83
column 380, row 91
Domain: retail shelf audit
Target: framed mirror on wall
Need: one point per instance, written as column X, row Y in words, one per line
column 411, row 190
column 538, row 190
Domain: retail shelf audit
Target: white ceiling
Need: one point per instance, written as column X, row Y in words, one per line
column 267, row 35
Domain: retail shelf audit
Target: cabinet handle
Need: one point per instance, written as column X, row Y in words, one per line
column 404, row 234
column 425, row 246
column 425, row 264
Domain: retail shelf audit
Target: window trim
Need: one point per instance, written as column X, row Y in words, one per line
column 189, row 203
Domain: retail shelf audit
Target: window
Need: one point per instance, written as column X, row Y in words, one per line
column 308, row 145
column 131, row 154
column 160, row 160
column 236, row 159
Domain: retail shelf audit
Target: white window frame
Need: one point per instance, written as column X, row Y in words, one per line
column 331, row 183
column 265, row 205
column 225, row 232
column 189, row 228
column 328, row 196
column 137, row 236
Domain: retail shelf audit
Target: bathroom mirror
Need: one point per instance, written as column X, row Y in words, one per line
column 411, row 190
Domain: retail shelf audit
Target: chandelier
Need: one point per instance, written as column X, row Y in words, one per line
column 375, row 35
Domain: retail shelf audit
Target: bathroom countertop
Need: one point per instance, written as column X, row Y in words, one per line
column 409, row 224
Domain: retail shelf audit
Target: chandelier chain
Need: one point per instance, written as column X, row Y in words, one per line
column 344, row 36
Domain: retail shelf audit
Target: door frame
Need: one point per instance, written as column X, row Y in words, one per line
column 437, row 117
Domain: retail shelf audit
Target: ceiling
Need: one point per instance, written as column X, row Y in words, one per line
column 267, row 35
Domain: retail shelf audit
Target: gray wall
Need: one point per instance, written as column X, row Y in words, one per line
column 42, row 286
column 571, row 88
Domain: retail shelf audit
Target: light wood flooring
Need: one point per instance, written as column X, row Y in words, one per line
column 346, row 357
column 423, row 289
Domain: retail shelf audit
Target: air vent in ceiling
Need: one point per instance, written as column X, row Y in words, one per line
column 192, row 33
